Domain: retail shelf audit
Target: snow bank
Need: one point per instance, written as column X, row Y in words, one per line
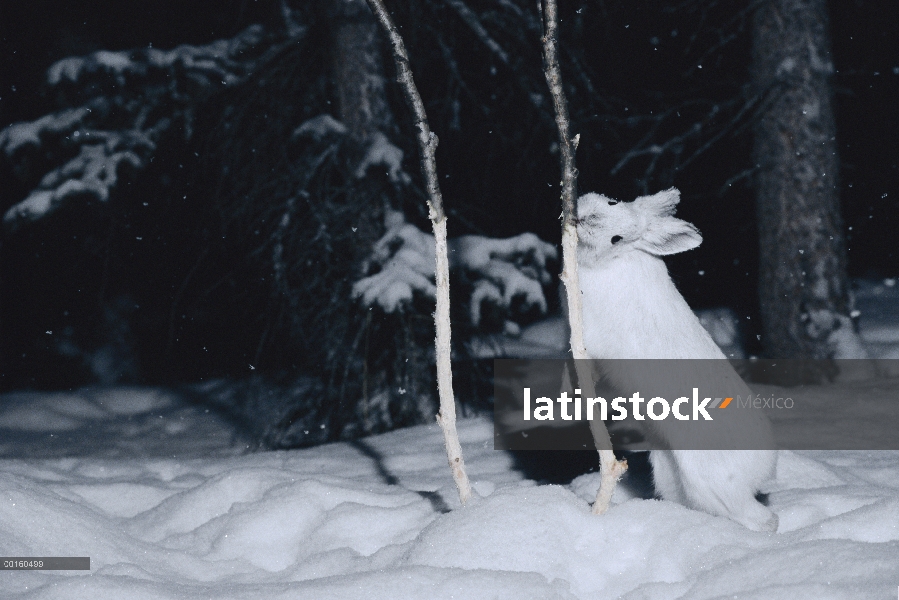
column 379, row 518
column 112, row 422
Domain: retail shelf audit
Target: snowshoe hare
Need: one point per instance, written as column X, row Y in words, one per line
column 632, row 310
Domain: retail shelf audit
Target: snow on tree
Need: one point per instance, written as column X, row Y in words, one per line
column 509, row 275
column 125, row 102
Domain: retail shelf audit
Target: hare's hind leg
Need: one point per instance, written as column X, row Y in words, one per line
column 665, row 477
column 725, row 482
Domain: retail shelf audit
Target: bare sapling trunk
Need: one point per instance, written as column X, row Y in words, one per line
column 611, row 468
column 427, row 142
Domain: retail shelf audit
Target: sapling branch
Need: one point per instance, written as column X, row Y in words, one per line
column 611, row 468
column 427, row 143
column 471, row 19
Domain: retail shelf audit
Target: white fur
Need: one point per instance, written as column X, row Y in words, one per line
column 632, row 309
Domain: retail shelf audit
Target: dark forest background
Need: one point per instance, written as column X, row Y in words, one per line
column 167, row 283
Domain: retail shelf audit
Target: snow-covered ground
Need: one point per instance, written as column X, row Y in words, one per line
column 380, row 519
column 168, row 503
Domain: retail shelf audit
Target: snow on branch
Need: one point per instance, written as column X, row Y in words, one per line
column 320, row 127
column 128, row 101
column 501, row 269
column 19, row 135
column 406, row 257
column 380, row 152
column 220, row 60
column 504, row 269
column 94, row 171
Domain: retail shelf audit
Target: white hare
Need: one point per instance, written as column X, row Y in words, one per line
column 632, row 310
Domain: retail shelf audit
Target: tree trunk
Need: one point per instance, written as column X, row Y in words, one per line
column 803, row 282
column 359, row 71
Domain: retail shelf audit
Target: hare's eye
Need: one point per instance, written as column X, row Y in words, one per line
column 616, row 239
column 613, row 202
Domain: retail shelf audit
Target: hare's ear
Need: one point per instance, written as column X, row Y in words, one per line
column 662, row 204
column 668, row 235
column 588, row 201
